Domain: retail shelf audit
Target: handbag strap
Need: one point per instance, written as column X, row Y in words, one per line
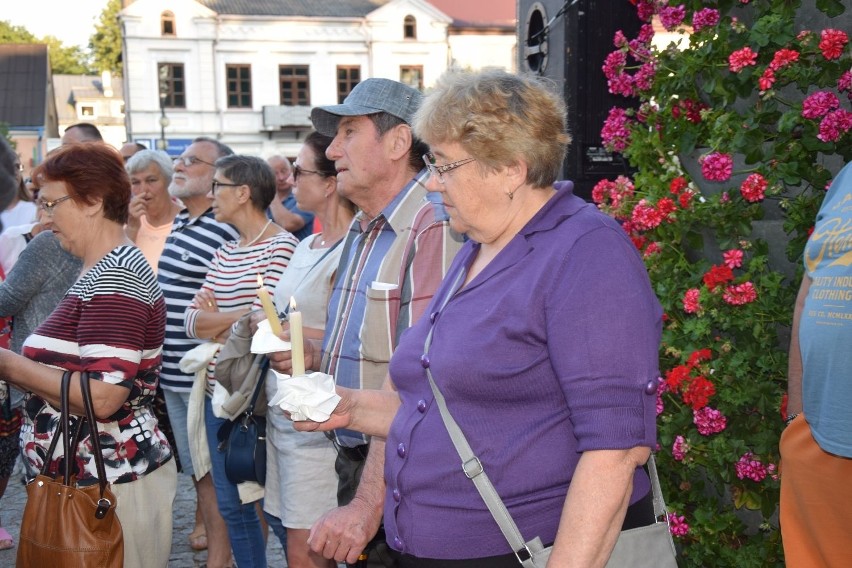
column 261, row 363
column 473, row 469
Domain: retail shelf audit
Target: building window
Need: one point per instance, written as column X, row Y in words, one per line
column 172, row 85
column 87, row 111
column 239, row 85
column 295, row 85
column 347, row 77
column 167, row 24
column 409, row 28
column 411, row 75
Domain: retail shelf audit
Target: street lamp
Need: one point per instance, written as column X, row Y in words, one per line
column 163, row 73
column 164, row 122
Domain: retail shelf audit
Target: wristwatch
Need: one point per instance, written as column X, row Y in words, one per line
column 790, row 418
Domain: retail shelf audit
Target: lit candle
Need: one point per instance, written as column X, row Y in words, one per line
column 268, row 306
column 297, row 344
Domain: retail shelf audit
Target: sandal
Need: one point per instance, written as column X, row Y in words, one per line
column 198, row 541
column 6, row 540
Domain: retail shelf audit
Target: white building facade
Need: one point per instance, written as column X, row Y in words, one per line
column 214, row 68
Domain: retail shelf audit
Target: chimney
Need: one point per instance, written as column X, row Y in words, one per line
column 106, row 81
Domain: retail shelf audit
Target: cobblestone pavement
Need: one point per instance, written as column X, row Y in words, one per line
column 12, row 509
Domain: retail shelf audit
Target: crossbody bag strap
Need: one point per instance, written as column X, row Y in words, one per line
column 473, row 469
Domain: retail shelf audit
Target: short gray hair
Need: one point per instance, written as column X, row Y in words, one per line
column 144, row 158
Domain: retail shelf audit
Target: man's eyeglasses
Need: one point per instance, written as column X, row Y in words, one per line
column 49, row 206
column 298, row 170
column 217, row 184
column 190, row 161
column 439, row 171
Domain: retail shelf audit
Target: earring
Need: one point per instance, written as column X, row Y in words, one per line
column 511, row 195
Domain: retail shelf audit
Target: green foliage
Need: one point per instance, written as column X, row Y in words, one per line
column 726, row 329
column 63, row 60
column 105, row 43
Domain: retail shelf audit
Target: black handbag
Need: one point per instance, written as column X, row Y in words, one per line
column 243, row 440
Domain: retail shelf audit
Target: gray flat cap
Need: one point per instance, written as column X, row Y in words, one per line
column 370, row 96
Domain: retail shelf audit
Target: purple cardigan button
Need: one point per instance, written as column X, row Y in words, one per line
column 421, row 406
column 397, row 543
column 424, row 361
column 651, row 387
column 401, row 450
column 397, row 496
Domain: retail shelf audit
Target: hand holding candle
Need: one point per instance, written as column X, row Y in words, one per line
column 268, row 306
column 297, row 344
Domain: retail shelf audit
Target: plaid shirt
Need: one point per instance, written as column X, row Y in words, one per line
column 389, row 269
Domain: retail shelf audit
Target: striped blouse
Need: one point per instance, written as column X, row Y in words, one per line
column 233, row 277
column 110, row 323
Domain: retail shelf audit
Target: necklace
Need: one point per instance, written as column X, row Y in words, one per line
column 260, row 234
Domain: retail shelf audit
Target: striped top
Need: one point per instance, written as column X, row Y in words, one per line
column 233, row 277
column 181, row 270
column 110, row 323
column 389, row 269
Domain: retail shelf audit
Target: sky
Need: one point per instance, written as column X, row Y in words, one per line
column 72, row 21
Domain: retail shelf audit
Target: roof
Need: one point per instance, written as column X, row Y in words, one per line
column 24, row 70
column 73, row 88
column 323, row 8
column 467, row 13
column 479, row 13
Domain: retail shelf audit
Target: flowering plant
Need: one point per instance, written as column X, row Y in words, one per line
column 734, row 135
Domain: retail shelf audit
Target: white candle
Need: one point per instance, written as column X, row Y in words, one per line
column 297, row 344
column 268, row 306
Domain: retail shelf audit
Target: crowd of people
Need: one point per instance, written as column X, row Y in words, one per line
column 450, row 265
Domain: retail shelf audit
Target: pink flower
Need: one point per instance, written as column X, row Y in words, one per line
column 749, row 468
column 679, row 448
column 754, row 188
column 740, row 294
column 733, row 258
column 709, row 420
column 645, row 10
column 844, row 83
column 619, row 40
column 646, row 216
column 614, row 64
column 741, row 59
column 819, row 104
column 705, row 18
column 717, row 166
column 677, row 525
column 615, row 132
column 832, row 43
column 782, row 58
column 691, row 301
column 766, row 80
column 661, row 388
column 672, row 16
column 834, row 125
column 652, row 249
column 644, row 78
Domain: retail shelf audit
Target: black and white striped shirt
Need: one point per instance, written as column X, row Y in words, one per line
column 186, row 259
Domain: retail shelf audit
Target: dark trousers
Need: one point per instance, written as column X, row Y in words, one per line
column 349, row 466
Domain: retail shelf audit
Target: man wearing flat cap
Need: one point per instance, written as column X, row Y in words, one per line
column 395, row 254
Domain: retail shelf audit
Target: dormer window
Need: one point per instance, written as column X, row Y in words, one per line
column 167, row 24
column 409, row 28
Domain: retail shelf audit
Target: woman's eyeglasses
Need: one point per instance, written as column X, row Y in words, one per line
column 439, row 171
column 217, row 184
column 298, row 171
column 49, row 206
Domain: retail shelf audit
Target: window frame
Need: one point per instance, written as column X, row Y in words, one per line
column 346, row 83
column 171, row 84
column 296, row 93
column 235, row 87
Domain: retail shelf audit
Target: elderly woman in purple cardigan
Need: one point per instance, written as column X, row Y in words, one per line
column 544, row 341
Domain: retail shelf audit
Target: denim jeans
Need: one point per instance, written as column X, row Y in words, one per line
column 242, row 521
column 176, row 406
column 278, row 529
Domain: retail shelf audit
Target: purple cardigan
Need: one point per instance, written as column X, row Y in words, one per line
column 550, row 351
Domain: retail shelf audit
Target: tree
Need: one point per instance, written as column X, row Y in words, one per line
column 105, row 43
column 63, row 60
